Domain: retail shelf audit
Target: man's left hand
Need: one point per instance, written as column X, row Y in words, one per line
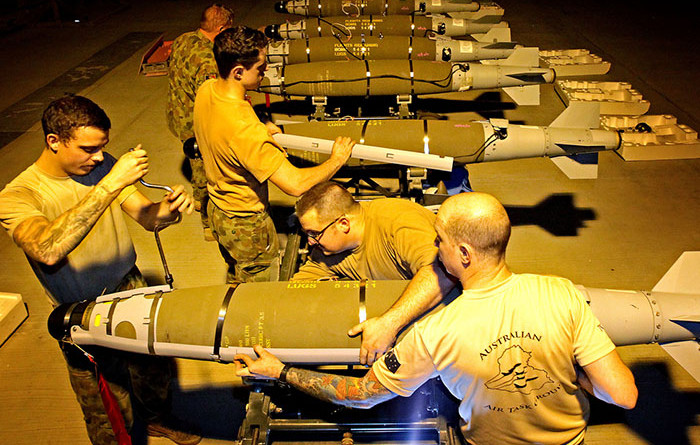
column 377, row 337
column 179, row 201
column 266, row 366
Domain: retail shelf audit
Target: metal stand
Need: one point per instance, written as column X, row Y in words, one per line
column 416, row 420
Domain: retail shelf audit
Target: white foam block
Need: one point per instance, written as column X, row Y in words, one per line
column 12, row 313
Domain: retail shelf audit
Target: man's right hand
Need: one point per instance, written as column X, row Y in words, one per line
column 378, row 336
column 342, row 149
column 131, row 166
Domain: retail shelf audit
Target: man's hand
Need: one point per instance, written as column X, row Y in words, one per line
column 377, row 337
column 272, row 128
column 179, row 201
column 267, row 365
column 342, row 149
column 132, row 166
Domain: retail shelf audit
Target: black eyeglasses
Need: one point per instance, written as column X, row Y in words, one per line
column 316, row 236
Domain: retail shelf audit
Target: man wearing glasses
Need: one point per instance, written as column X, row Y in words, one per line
column 383, row 239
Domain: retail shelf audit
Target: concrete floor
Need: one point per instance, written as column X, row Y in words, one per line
column 633, row 221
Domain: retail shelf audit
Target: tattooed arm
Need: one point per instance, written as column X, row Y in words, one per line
column 355, row 392
column 49, row 242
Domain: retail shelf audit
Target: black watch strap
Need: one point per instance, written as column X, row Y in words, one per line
column 283, row 375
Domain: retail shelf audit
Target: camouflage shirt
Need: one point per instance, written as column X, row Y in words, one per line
column 191, row 63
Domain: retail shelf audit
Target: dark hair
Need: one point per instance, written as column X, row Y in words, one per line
column 329, row 199
column 215, row 16
column 63, row 115
column 239, row 45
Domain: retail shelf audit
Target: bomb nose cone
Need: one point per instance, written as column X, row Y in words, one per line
column 281, row 7
column 273, row 32
column 56, row 321
column 64, row 317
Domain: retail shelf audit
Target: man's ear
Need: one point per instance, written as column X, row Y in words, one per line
column 237, row 72
column 465, row 253
column 344, row 224
column 53, row 141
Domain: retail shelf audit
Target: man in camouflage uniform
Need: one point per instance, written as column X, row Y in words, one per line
column 191, row 63
column 240, row 157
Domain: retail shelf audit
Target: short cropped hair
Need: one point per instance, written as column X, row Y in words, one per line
column 216, row 16
column 487, row 233
column 239, row 45
column 329, row 199
column 64, row 115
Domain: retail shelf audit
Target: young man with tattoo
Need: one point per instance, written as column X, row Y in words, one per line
column 518, row 350
column 65, row 212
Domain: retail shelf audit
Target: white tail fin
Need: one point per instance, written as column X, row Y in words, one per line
column 524, row 95
column 684, row 277
column 574, row 169
column 579, row 115
column 494, row 35
column 524, row 56
column 687, row 355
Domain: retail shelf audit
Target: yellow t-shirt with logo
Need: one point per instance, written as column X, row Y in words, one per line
column 508, row 353
column 238, row 152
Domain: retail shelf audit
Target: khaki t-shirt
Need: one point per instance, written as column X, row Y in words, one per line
column 508, row 353
column 98, row 264
column 238, row 152
column 399, row 239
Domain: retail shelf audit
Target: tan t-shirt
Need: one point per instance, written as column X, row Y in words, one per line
column 238, row 152
column 399, row 239
column 98, row 264
column 508, row 353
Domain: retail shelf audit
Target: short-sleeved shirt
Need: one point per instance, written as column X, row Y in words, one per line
column 238, row 151
column 103, row 257
column 190, row 64
column 508, row 353
column 398, row 239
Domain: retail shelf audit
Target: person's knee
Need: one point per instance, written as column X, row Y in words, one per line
column 259, row 271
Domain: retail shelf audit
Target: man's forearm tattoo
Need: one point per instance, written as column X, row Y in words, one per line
column 343, row 390
column 53, row 241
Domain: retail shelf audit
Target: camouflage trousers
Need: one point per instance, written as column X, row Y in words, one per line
column 199, row 189
column 249, row 245
column 140, row 383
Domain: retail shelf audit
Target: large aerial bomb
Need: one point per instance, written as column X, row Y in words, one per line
column 370, row 25
column 323, row 49
column 322, row 8
column 466, row 142
column 408, row 77
column 307, row 322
